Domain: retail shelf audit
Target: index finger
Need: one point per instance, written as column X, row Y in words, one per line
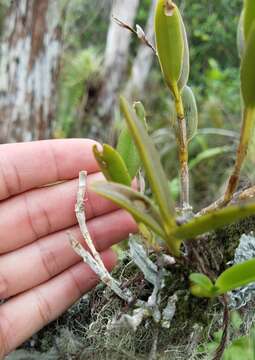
column 24, row 166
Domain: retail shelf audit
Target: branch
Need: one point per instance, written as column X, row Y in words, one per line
column 244, row 195
column 138, row 32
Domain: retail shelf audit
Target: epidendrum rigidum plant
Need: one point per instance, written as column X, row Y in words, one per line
column 165, row 226
column 135, row 147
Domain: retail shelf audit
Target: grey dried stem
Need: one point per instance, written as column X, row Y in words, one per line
column 93, row 259
column 245, row 195
column 138, row 32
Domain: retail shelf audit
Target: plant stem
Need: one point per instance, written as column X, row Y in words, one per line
column 183, row 151
column 245, row 137
column 226, row 319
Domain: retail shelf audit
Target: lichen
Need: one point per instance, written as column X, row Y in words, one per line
column 84, row 332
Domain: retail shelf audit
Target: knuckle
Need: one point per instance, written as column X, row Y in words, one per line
column 43, row 307
column 10, row 180
column 4, row 346
column 38, row 218
column 49, row 260
column 3, row 287
column 75, row 283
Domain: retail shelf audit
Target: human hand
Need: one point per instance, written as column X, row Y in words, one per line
column 40, row 274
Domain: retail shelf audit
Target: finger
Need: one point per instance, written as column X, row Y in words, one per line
column 37, row 213
column 25, row 166
column 34, row 264
column 25, row 314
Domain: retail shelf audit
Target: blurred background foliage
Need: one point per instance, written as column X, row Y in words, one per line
column 3, row 8
column 214, row 77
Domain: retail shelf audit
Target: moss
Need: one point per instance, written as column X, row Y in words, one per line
column 84, row 333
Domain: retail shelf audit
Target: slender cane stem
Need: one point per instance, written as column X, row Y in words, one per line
column 245, row 137
column 183, row 152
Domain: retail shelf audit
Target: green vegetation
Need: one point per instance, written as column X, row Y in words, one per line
column 198, row 124
column 175, row 227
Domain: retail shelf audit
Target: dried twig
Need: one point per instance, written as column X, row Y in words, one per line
column 138, row 32
column 93, row 259
column 80, row 215
column 244, row 195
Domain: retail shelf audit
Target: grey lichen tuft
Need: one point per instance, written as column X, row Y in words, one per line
column 244, row 251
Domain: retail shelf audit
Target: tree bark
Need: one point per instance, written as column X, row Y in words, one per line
column 29, row 68
column 116, row 55
column 143, row 61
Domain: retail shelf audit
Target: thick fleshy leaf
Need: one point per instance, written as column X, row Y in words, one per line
column 201, row 280
column 240, row 37
column 169, row 41
column 152, row 165
column 126, row 146
column 127, row 149
column 112, row 165
column 236, row 276
column 139, row 206
column 248, row 70
column 140, row 112
column 190, row 113
column 214, row 220
column 182, row 82
column 201, row 285
column 249, row 17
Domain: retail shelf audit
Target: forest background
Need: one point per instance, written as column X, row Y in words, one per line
column 79, row 60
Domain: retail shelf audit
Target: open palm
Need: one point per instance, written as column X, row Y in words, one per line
column 40, row 275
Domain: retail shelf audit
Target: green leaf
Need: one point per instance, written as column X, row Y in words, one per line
column 248, row 71
column 112, row 165
column 214, row 220
column 169, row 41
column 127, row 150
column 201, row 285
column 141, row 207
column 236, row 276
column 249, row 17
column 201, row 280
column 182, row 82
column 152, row 165
column 140, row 112
column 240, row 37
column 190, row 113
column 126, row 147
